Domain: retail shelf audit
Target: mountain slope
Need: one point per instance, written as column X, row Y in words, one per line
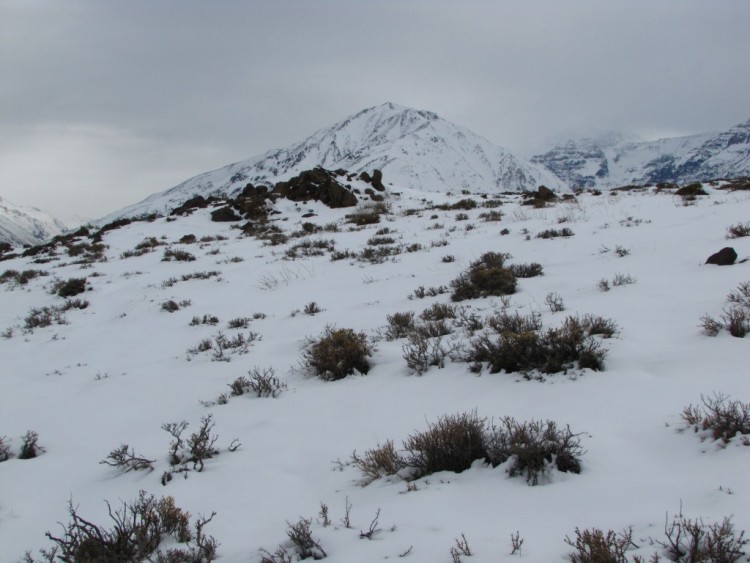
column 26, row 225
column 590, row 163
column 414, row 149
column 134, row 361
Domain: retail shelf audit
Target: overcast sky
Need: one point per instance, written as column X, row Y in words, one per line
column 103, row 102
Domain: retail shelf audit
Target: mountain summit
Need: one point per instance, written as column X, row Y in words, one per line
column 413, row 148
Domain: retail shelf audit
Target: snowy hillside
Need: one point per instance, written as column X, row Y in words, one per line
column 26, row 225
column 592, row 163
column 113, row 339
column 414, row 149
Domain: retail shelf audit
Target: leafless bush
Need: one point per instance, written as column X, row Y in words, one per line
column 594, row 546
column 425, row 349
column 205, row 320
column 438, row 312
column 399, row 325
column 692, row 541
column 139, row 527
column 621, row 251
column 312, row 309
column 531, row 270
column 623, row 279
column 554, row 233
column 724, row 418
column 177, row 255
column 378, row 462
column 421, row 292
column 710, row 326
column 739, row 230
column 741, row 296
column 239, row 322
column 44, row 317
column 124, row 458
column 222, row 345
column 736, row 316
column 461, row 548
column 306, row 546
column 555, row 302
column 265, row 383
column 533, row 448
column 516, row 541
column 372, row 529
column 737, row 320
column 200, row 445
column 5, row 452
column 30, row 447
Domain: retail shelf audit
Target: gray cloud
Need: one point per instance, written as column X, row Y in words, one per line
column 105, row 102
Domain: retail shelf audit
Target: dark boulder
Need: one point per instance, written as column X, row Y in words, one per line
column 224, row 214
column 197, row 202
column 377, row 180
column 691, row 190
column 545, row 194
column 725, row 257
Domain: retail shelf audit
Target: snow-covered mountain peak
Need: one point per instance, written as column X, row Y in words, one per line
column 615, row 160
column 413, row 148
column 26, row 225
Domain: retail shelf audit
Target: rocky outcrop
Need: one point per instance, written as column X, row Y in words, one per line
column 317, row 184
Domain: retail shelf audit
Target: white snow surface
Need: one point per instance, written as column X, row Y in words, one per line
column 413, row 148
column 27, row 225
column 119, row 370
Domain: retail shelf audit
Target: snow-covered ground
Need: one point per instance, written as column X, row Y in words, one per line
column 119, row 370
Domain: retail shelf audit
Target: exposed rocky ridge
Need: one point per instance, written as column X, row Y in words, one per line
column 413, row 148
column 254, row 205
column 590, row 163
column 26, row 225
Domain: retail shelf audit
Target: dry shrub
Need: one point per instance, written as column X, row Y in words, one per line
column 533, row 448
column 30, row 447
column 71, row 287
column 453, row 443
column 378, row 462
column 594, row 546
column 139, row 527
column 739, row 230
column 522, row 346
column 723, row 417
column 5, row 452
column 438, row 312
column 338, row 352
column 485, row 277
column 399, row 325
column 692, row 541
column 527, row 270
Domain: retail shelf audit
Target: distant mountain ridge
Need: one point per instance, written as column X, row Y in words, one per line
column 413, row 148
column 590, row 163
column 21, row 225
